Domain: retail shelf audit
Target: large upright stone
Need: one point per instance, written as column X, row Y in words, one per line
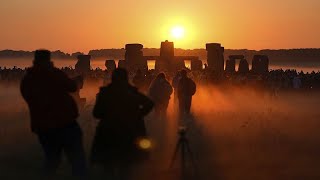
column 166, row 62
column 177, row 65
column 134, row 58
column 122, row 64
column 260, row 64
column 83, row 64
column 243, row 66
column 231, row 65
column 167, row 49
column 110, row 65
column 196, row 65
column 215, row 58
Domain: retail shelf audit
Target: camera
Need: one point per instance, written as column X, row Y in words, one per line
column 182, row 131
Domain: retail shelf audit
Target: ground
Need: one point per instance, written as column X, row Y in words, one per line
column 233, row 134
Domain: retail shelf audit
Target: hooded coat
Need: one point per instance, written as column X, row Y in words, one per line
column 120, row 109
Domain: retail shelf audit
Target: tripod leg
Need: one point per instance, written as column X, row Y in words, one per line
column 193, row 163
column 175, row 154
column 183, row 160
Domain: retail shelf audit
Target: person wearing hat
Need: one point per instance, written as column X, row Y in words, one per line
column 53, row 114
column 120, row 109
column 186, row 89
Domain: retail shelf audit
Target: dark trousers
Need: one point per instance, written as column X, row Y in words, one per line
column 161, row 109
column 185, row 105
column 69, row 140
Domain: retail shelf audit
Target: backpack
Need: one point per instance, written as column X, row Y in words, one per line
column 191, row 87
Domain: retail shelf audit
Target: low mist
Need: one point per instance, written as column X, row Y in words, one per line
column 234, row 132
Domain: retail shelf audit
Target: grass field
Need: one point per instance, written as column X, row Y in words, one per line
column 234, row 134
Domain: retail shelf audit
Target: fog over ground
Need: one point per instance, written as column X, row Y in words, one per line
column 235, row 133
column 100, row 63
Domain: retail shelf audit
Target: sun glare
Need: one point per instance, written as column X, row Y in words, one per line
column 177, row 32
column 144, row 143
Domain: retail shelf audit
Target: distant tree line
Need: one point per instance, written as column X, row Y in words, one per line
column 275, row 56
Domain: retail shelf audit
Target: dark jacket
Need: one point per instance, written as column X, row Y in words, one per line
column 121, row 109
column 160, row 91
column 46, row 91
column 186, row 88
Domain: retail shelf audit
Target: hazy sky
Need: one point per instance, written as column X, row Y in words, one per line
column 81, row 25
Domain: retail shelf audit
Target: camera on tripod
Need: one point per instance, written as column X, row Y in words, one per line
column 182, row 131
column 183, row 148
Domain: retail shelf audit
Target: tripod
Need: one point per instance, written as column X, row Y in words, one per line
column 184, row 148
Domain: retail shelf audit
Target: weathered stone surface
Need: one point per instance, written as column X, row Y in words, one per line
column 134, row 58
column 122, row 64
column 215, row 58
column 166, row 62
column 83, row 64
column 260, row 64
column 243, row 66
column 196, row 65
column 231, row 65
column 110, row 65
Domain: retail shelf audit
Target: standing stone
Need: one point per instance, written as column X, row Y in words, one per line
column 260, row 64
column 83, row 64
column 243, row 66
column 177, row 65
column 265, row 64
column 196, row 65
column 231, row 65
column 215, row 58
column 110, row 65
column 134, row 58
column 122, row 64
column 166, row 62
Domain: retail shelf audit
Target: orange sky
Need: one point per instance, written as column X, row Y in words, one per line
column 81, row 25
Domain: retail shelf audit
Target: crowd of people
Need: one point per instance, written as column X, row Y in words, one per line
column 120, row 109
column 274, row 79
column 54, row 111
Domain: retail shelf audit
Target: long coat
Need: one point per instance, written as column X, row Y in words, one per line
column 186, row 89
column 120, row 109
column 47, row 93
column 160, row 91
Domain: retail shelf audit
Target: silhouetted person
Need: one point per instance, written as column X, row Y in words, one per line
column 160, row 92
column 149, row 78
column 175, row 82
column 120, row 109
column 76, row 95
column 53, row 114
column 296, row 82
column 139, row 80
column 186, row 89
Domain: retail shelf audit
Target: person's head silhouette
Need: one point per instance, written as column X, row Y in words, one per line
column 120, row 76
column 183, row 73
column 139, row 72
column 161, row 76
column 42, row 58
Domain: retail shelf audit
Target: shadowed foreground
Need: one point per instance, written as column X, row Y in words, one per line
column 234, row 134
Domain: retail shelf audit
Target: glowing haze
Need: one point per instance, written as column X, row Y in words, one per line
column 81, row 25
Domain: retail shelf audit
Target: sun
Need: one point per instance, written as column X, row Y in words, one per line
column 177, row 32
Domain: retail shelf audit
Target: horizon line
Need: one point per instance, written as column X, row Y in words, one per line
column 302, row 48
